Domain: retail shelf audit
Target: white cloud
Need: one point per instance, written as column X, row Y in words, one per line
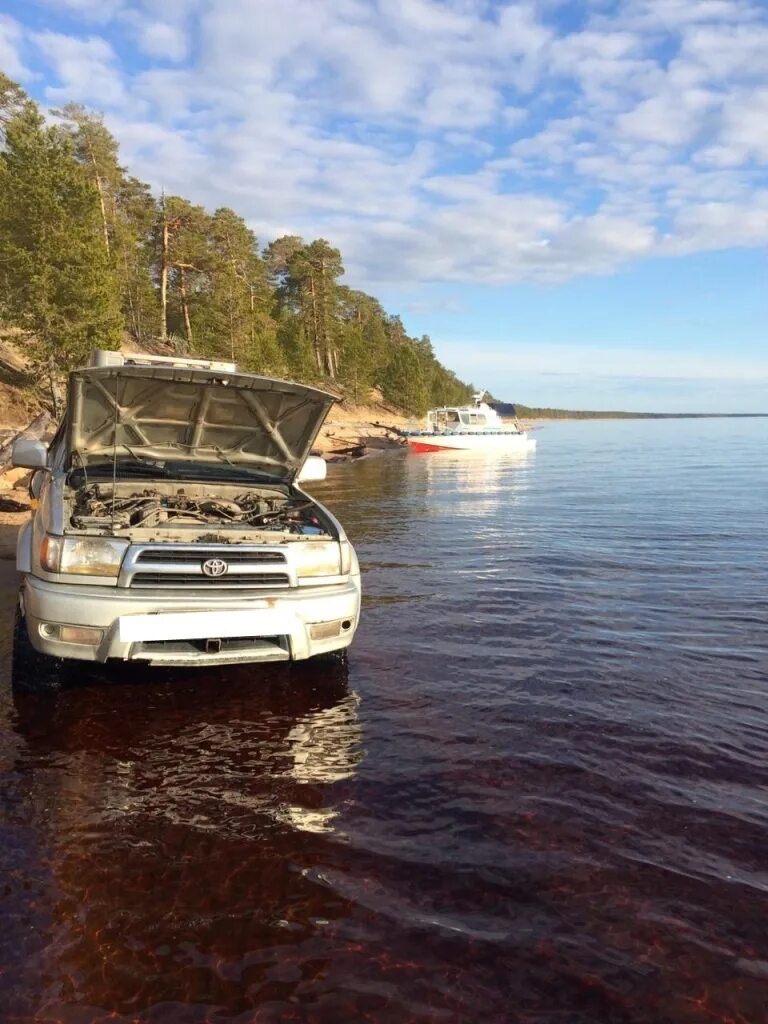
column 461, row 102
column 674, row 15
column 554, row 145
column 97, row 11
column 10, row 48
column 445, row 139
column 723, row 53
column 743, row 134
column 159, row 39
column 85, row 69
column 668, row 118
column 704, row 225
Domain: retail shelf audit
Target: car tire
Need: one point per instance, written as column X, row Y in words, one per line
column 31, row 671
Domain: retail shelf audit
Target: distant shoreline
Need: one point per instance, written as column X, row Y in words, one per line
column 545, row 414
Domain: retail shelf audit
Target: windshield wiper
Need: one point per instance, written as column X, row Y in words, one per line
column 217, row 451
column 222, row 456
column 140, row 468
column 139, row 458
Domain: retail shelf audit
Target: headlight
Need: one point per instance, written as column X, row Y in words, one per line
column 349, row 562
column 82, row 556
column 317, row 558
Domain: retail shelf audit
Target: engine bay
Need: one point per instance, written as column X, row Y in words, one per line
column 158, row 507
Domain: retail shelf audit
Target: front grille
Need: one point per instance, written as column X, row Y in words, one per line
column 185, row 556
column 181, row 565
column 242, row 580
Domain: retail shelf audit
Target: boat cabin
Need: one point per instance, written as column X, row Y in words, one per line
column 451, row 418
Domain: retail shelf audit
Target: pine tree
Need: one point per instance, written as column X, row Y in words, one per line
column 128, row 213
column 181, row 264
column 81, row 241
column 136, row 215
column 320, row 265
column 96, row 150
column 364, row 346
column 238, row 313
column 403, row 382
column 58, row 284
column 291, row 311
column 306, row 278
column 13, row 102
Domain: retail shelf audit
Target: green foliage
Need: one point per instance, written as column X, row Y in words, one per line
column 403, row 381
column 56, row 280
column 86, row 251
column 127, row 211
column 133, row 257
column 13, row 101
column 239, row 296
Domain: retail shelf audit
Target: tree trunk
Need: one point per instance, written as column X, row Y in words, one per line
column 316, row 338
column 54, row 387
column 253, row 325
column 164, row 280
column 100, row 190
column 231, row 314
column 132, row 315
column 330, row 355
column 185, row 306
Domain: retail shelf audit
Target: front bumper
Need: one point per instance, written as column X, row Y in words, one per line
column 164, row 628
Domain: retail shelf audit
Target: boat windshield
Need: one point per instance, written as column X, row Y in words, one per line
column 443, row 418
column 473, row 419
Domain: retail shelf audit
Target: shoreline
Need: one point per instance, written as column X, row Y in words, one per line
column 351, row 432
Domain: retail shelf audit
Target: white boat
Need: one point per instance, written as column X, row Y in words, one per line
column 475, row 427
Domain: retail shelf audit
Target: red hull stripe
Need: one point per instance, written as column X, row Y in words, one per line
column 419, row 446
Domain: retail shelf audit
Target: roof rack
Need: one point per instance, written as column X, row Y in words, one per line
column 102, row 357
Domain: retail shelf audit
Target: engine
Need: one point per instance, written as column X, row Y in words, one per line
column 100, row 507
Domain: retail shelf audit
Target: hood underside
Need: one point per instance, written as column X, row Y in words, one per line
column 169, row 413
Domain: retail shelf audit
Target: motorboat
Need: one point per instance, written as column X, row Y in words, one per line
column 476, row 427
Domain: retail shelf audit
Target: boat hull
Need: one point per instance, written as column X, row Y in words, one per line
column 471, row 442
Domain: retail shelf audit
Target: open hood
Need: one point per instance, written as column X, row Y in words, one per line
column 197, row 415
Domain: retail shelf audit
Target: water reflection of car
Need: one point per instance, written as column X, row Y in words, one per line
column 172, row 528
column 179, row 822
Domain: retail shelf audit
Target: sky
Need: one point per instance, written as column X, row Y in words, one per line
column 570, row 198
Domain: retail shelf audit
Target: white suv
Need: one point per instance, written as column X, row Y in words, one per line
column 171, row 528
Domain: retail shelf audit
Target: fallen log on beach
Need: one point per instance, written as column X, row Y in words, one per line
column 355, row 451
column 11, row 505
column 389, row 428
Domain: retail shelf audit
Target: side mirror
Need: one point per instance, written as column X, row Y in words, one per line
column 29, row 453
column 313, row 469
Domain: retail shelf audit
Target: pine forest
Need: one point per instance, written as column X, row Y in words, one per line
column 89, row 256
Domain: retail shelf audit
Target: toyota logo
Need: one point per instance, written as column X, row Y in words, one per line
column 215, row 567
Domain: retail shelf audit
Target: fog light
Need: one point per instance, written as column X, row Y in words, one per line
column 71, row 634
column 80, row 635
column 325, row 630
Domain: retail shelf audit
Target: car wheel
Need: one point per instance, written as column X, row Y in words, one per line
column 31, row 671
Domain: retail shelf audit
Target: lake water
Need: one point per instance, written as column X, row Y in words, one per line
column 538, row 793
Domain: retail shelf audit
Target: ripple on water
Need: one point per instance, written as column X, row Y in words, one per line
column 537, row 793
